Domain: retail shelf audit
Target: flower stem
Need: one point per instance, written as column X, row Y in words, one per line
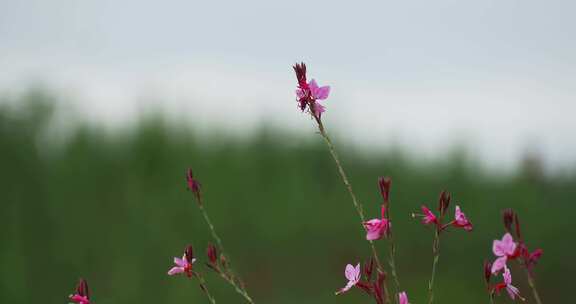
column 357, row 205
column 204, row 288
column 239, row 289
column 533, row 287
column 392, row 262
column 436, row 251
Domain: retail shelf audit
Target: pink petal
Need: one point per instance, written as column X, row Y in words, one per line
column 352, row 273
column 318, row 109
column 499, row 264
column 313, row 85
column 180, row 262
column 175, row 270
column 322, row 92
column 403, row 298
column 507, row 276
column 513, row 292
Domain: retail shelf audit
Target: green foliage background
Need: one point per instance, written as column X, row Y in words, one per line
column 113, row 208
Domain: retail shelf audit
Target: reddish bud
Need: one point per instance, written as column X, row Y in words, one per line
column 189, row 253
column 487, row 272
column 300, row 69
column 193, row 185
column 223, row 261
column 212, row 254
column 517, row 225
column 368, row 268
column 444, row 202
column 508, row 218
column 384, row 185
column 82, row 288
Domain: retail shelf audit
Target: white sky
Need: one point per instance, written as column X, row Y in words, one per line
column 497, row 76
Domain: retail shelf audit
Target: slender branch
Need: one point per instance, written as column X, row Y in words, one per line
column 436, row 251
column 491, row 298
column 533, row 287
column 357, row 205
column 239, row 289
column 392, row 249
column 204, row 288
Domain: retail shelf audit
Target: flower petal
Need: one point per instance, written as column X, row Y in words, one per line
column 175, row 270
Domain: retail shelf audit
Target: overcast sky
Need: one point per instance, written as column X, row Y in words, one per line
column 497, row 76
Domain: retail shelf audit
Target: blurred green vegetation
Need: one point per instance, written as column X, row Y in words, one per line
column 113, row 208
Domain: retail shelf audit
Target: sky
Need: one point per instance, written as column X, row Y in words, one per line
column 497, row 77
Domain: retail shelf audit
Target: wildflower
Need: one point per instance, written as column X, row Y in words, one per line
column 428, row 217
column 353, row 275
column 403, row 298
column 376, row 228
column 82, row 295
column 193, row 184
column 309, row 93
column 183, row 265
column 513, row 292
column 503, row 249
column 460, row 220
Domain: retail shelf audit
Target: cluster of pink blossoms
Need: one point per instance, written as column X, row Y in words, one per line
column 308, row 94
column 460, row 219
column 376, row 229
column 507, row 249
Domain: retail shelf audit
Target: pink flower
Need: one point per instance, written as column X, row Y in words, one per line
column 353, row 275
column 403, row 298
column 428, row 217
column 461, row 221
column 503, row 249
column 376, row 228
column 309, row 93
column 183, row 265
column 82, row 295
column 513, row 292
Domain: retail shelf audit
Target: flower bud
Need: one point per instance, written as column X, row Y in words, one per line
column 384, row 185
column 189, row 253
column 193, row 185
column 444, row 202
column 487, row 272
column 508, row 218
column 212, row 254
column 368, row 268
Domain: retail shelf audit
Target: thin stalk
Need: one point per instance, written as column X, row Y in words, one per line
column 357, row 205
column 204, row 288
column 436, row 251
column 492, row 298
column 533, row 287
column 239, row 289
column 392, row 248
column 392, row 253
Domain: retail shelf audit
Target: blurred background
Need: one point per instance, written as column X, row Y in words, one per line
column 104, row 104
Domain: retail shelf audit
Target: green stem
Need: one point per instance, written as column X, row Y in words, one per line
column 239, row 289
column 357, row 205
column 204, row 287
column 436, row 251
column 533, row 287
